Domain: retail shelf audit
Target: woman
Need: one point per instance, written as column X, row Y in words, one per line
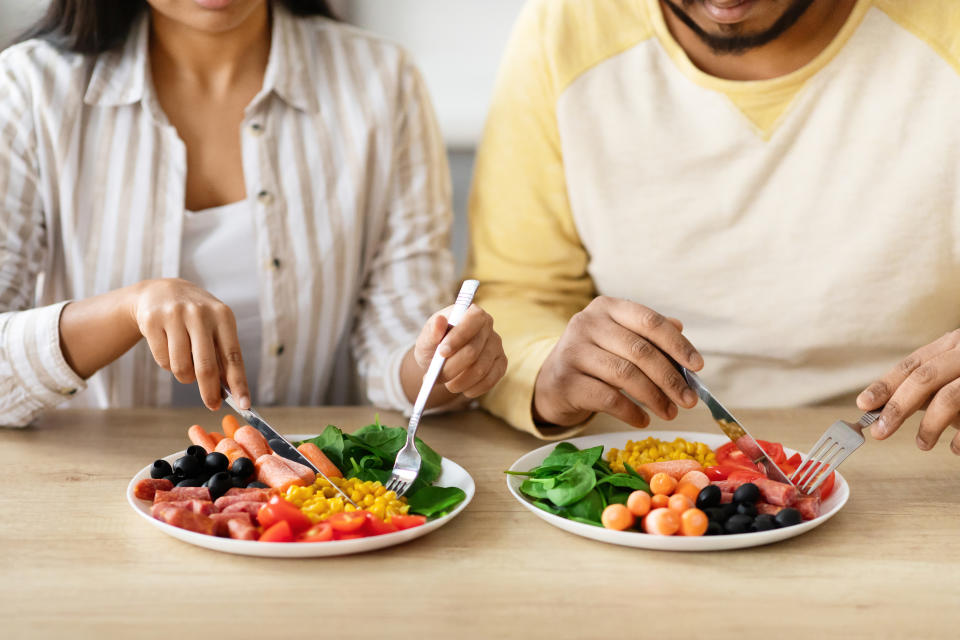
column 176, row 169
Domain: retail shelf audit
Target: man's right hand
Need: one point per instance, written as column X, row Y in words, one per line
column 614, row 345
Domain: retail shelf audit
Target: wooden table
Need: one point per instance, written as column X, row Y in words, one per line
column 76, row 561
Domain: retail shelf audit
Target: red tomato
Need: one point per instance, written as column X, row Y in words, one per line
column 828, row 485
column 338, row 535
column 794, row 460
column 278, row 509
column 774, row 451
column 374, row 526
column 723, row 451
column 320, row 532
column 347, row 521
column 716, row 473
column 744, row 475
column 279, row 532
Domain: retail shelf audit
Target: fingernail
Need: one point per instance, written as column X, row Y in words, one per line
column 672, row 411
column 922, row 444
column 696, row 360
column 689, row 397
column 244, row 402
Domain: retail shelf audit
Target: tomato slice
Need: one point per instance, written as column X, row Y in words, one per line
column 828, row 485
column 716, row 473
column 320, row 532
column 774, row 451
column 347, row 521
column 374, row 526
column 356, row 535
column 723, row 452
column 277, row 510
column 741, row 474
column 279, row 532
column 408, row 522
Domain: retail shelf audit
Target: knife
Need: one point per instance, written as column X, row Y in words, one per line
column 741, row 439
column 280, row 445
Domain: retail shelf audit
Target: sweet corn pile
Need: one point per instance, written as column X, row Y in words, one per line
column 654, row 450
column 320, row 500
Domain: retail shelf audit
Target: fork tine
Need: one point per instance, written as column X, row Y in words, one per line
column 825, row 475
column 816, row 454
column 824, row 456
column 820, row 474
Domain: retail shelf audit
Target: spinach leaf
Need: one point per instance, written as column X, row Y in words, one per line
column 572, row 485
column 434, row 502
column 331, row 443
column 537, row 488
column 546, row 506
column 565, row 456
column 625, row 481
column 589, row 508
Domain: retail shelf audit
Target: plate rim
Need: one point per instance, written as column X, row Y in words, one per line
column 636, row 539
column 299, row 549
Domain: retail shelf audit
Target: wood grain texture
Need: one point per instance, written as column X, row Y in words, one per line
column 76, row 561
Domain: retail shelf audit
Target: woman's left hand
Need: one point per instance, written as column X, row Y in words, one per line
column 474, row 351
column 929, row 377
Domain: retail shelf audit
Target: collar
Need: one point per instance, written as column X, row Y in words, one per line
column 122, row 76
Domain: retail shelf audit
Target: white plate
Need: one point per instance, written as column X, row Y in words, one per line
column 451, row 475
column 666, row 543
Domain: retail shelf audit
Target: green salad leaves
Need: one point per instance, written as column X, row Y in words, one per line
column 577, row 484
column 368, row 454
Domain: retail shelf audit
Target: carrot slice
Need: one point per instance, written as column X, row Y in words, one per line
column 252, row 441
column 278, row 472
column 230, row 425
column 314, row 454
column 230, row 448
column 216, row 435
column 200, row 437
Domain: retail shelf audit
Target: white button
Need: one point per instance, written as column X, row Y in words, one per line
column 256, row 129
column 265, row 198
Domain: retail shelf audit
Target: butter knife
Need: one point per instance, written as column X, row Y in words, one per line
column 732, row 427
column 280, row 445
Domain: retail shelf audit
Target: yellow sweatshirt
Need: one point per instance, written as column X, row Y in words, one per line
column 805, row 229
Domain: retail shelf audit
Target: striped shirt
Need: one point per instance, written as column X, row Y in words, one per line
column 343, row 162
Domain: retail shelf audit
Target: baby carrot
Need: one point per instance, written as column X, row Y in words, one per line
column 230, row 448
column 230, row 425
column 216, row 435
column 314, row 454
column 199, row 436
column 252, row 441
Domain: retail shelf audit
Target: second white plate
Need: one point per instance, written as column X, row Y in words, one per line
column 828, row 509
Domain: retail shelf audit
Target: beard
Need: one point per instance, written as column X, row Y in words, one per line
column 735, row 42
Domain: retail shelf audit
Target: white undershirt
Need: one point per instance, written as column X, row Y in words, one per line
column 219, row 254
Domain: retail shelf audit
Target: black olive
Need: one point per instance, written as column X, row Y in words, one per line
column 172, row 478
column 738, row 523
column 197, row 452
column 187, row 467
column 764, row 522
column 714, row 528
column 219, row 484
column 215, row 462
column 160, row 469
column 748, row 492
column 239, row 483
column 257, row 485
column 788, row 517
column 190, row 482
column 242, row 468
column 727, row 511
column 747, row 509
column 715, row 514
column 708, row 497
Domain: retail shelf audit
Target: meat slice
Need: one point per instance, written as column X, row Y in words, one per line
column 225, row 501
column 769, row 509
column 147, row 488
column 770, row 490
column 808, row 506
column 240, row 530
column 248, row 506
column 221, row 521
column 197, row 506
column 182, row 493
column 183, row 518
column 248, row 491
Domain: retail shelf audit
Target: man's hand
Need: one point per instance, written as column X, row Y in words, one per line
column 929, row 377
column 611, row 346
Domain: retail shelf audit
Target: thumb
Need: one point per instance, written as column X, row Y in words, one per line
column 430, row 338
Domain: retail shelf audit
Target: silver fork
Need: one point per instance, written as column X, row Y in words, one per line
column 406, row 468
column 833, row 447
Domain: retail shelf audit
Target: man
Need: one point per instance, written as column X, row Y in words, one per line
column 773, row 181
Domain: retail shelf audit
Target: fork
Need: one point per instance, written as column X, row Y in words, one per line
column 833, row 447
column 406, row 468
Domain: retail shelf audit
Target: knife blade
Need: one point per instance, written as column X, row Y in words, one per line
column 732, row 428
column 280, row 445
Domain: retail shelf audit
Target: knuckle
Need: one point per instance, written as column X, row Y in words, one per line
column 924, row 374
column 642, row 349
column 205, row 367
column 879, row 389
column 908, row 364
column 622, row 369
column 676, row 383
column 608, row 400
column 469, row 352
column 893, row 409
column 579, row 322
column 651, row 319
column 181, row 371
column 234, row 356
column 951, row 394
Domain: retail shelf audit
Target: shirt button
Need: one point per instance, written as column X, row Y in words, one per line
column 279, row 350
column 275, row 263
column 256, row 129
column 265, row 198
column 68, row 392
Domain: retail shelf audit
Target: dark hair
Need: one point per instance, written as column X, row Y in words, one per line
column 95, row 26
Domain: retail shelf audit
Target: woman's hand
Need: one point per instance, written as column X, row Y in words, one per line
column 474, row 352
column 193, row 335
column 929, row 377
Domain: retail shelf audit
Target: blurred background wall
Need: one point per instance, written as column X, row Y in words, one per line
column 456, row 43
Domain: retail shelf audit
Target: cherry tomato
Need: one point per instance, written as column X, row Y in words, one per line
column 407, row 522
column 617, row 517
column 638, row 503
column 279, row 532
column 320, row 532
column 374, row 526
column 278, row 509
column 662, row 484
column 347, row 521
column 715, row 473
